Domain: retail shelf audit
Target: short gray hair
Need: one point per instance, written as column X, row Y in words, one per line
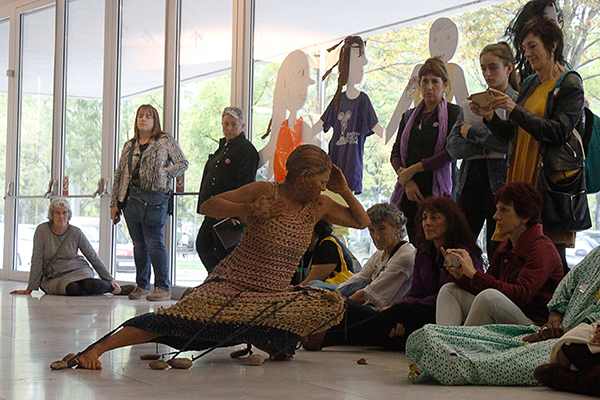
column 387, row 212
column 235, row 112
column 54, row 204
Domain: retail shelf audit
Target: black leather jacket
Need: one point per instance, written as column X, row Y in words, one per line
column 564, row 110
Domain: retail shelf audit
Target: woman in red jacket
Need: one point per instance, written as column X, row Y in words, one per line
column 521, row 278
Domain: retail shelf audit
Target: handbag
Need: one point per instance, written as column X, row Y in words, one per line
column 228, row 232
column 565, row 206
column 48, row 269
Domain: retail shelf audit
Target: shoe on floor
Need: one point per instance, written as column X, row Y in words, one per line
column 159, row 294
column 138, row 293
column 126, row 290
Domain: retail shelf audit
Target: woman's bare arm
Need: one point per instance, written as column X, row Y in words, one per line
column 353, row 215
column 253, row 199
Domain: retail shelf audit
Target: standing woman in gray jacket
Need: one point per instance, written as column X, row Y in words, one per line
column 483, row 169
column 141, row 189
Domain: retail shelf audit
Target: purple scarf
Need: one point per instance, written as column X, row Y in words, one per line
column 442, row 177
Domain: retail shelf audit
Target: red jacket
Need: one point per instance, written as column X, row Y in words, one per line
column 527, row 273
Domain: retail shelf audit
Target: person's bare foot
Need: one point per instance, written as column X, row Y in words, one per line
column 87, row 360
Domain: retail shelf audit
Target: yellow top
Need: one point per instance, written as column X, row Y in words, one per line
column 525, row 157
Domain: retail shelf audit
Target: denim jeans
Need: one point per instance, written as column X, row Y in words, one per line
column 146, row 214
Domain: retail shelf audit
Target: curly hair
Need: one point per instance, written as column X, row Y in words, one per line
column 524, row 198
column 457, row 229
column 54, row 204
column 387, row 212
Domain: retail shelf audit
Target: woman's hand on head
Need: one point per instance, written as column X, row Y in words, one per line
column 26, row 291
column 266, row 207
column 413, row 193
column 464, row 258
column 337, row 181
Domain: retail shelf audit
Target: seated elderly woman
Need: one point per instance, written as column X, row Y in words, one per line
column 56, row 266
column 329, row 260
column 248, row 298
column 387, row 276
column 441, row 224
column 522, row 276
column 509, row 354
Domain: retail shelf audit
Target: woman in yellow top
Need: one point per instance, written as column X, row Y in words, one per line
column 543, row 118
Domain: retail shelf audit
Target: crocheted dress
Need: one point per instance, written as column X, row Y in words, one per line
column 250, row 291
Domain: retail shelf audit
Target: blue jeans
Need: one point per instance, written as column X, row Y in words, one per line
column 351, row 288
column 146, row 214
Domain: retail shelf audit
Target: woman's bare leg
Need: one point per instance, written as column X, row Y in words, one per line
column 125, row 337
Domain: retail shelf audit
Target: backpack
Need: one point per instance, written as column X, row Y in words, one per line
column 591, row 145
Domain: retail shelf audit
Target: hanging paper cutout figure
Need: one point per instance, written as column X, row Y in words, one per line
column 293, row 80
column 350, row 113
column 443, row 42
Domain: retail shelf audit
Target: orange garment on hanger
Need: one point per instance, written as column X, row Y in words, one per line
column 287, row 140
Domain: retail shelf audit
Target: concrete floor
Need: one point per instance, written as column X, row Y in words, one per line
column 36, row 330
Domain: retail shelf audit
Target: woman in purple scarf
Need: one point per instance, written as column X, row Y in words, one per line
column 419, row 155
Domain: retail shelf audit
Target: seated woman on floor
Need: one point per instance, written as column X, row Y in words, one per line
column 441, row 224
column 255, row 277
column 522, row 276
column 387, row 276
column 56, row 266
column 506, row 354
column 329, row 260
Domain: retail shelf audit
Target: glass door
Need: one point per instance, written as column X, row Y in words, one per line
column 34, row 129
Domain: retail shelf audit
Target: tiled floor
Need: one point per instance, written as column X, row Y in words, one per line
column 36, row 330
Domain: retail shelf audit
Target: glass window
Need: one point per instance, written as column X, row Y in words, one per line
column 205, row 90
column 142, row 74
column 83, row 147
column 4, row 36
column 35, row 134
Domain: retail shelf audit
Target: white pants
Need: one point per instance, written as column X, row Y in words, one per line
column 455, row 306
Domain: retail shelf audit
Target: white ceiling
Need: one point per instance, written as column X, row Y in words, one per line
column 281, row 26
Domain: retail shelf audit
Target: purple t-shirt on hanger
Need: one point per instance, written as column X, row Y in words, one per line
column 352, row 123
